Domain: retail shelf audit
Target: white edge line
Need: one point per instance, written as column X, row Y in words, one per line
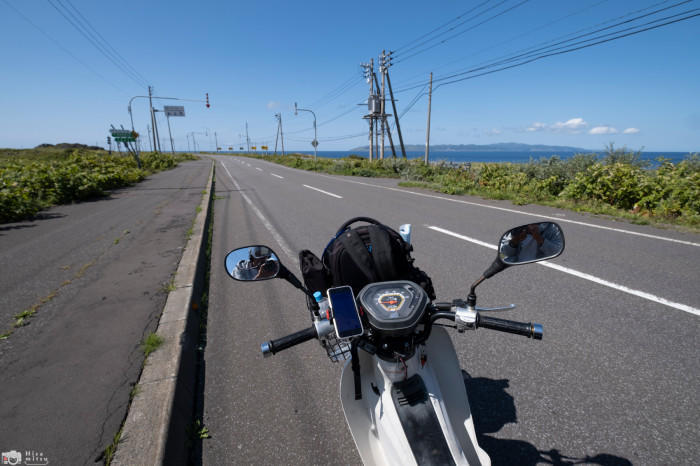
column 280, row 177
column 259, row 169
column 504, row 209
column 585, row 276
column 322, row 191
column 275, row 234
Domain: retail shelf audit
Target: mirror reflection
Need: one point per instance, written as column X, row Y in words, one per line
column 252, row 263
column 531, row 243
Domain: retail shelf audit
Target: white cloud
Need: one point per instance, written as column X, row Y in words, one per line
column 570, row 125
column 537, row 126
column 631, row 131
column 574, row 125
column 603, row 130
column 272, row 104
column 493, row 132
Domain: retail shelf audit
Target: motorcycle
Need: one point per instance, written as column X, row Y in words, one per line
column 401, row 388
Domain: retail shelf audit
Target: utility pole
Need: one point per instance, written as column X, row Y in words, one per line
column 427, row 133
column 216, row 140
column 172, row 147
column 369, row 72
column 279, row 135
column 153, row 116
column 385, row 124
column 383, row 102
column 247, row 139
column 376, row 118
column 188, row 142
column 148, row 128
column 393, row 105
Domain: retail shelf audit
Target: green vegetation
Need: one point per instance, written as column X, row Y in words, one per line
column 617, row 183
column 34, row 179
column 151, row 343
column 108, row 453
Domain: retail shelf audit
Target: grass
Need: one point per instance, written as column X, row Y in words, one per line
column 108, row 454
column 135, row 390
column 170, row 286
column 151, row 343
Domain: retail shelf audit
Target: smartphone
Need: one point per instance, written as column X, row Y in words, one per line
column 345, row 316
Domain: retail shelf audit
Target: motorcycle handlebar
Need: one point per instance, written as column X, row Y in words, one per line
column 275, row 346
column 530, row 330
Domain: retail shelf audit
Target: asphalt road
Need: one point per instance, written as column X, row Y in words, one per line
column 99, row 271
column 615, row 380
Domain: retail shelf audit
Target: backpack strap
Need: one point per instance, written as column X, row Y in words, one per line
column 359, row 254
column 382, row 252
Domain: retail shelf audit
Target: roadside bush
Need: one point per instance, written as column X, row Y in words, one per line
column 618, row 179
column 618, row 184
column 34, row 180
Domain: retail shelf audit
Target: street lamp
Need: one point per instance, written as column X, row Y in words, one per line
column 150, row 98
column 315, row 141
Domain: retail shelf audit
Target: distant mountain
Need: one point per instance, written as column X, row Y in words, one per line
column 499, row 147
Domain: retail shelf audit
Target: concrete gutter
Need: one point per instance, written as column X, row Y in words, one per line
column 155, row 430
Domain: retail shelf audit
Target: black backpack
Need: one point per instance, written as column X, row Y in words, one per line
column 362, row 255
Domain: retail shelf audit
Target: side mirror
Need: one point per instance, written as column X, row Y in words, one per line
column 531, row 243
column 253, row 263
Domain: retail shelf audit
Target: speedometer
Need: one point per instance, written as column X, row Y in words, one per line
column 393, row 308
column 392, row 300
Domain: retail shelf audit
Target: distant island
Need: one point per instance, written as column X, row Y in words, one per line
column 499, row 147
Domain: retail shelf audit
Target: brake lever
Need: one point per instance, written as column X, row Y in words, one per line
column 508, row 307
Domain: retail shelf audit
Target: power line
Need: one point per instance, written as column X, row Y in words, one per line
column 397, row 50
column 71, row 18
column 511, row 39
column 574, row 49
column 464, row 31
column 58, row 44
column 533, row 53
column 337, row 92
column 105, row 42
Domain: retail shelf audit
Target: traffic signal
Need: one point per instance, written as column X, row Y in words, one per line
column 207, row 94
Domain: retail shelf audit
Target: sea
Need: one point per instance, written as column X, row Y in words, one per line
column 492, row 156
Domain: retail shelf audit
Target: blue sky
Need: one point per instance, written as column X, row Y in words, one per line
column 256, row 59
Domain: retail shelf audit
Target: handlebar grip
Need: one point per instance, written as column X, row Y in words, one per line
column 275, row 346
column 530, row 330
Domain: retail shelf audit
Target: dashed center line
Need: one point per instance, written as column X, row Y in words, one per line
column 322, row 191
column 259, row 169
column 280, row 177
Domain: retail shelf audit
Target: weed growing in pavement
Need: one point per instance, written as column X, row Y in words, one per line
column 108, row 454
column 151, row 343
column 135, row 390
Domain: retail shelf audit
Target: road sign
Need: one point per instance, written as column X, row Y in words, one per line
column 121, row 133
column 314, row 143
column 263, row 147
column 230, row 148
column 174, row 110
column 253, row 147
column 124, row 135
